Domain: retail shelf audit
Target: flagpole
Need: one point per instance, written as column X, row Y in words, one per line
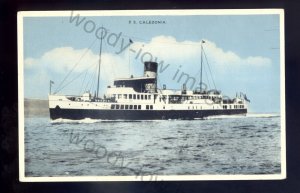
column 129, row 60
column 50, row 85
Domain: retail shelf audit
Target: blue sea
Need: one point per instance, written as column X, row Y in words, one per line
column 216, row 145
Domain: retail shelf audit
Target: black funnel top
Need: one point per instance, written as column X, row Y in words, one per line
column 150, row 66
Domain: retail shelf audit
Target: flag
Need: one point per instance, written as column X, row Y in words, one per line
column 51, row 82
column 130, row 41
column 245, row 96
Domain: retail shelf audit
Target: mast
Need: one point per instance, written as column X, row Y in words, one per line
column 99, row 64
column 202, row 42
column 201, row 66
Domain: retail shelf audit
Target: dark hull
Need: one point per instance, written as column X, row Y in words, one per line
column 77, row 114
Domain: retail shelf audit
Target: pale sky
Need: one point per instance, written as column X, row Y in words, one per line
column 242, row 51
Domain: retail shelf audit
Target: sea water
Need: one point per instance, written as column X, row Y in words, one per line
column 216, row 145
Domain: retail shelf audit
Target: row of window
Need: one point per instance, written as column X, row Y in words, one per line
column 139, row 107
column 191, row 97
column 195, row 107
column 234, row 106
column 200, row 97
column 132, row 96
column 238, row 106
column 148, row 97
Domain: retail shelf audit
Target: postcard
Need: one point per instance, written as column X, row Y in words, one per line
column 151, row 95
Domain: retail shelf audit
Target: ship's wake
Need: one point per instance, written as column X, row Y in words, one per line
column 90, row 121
column 249, row 115
column 86, row 120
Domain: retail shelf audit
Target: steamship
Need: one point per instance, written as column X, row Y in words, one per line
column 139, row 98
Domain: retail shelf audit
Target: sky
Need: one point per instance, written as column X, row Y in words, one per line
column 241, row 53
